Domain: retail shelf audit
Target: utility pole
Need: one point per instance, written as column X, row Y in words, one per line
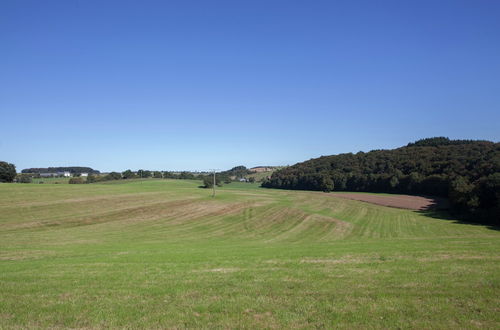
column 213, row 186
column 214, row 170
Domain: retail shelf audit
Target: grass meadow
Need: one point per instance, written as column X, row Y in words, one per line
column 164, row 254
column 51, row 180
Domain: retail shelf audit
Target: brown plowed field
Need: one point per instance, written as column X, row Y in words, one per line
column 399, row 201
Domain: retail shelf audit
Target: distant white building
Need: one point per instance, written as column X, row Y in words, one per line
column 84, row 174
column 65, row 174
column 52, row 174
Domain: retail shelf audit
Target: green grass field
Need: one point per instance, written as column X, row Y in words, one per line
column 163, row 253
column 54, row 180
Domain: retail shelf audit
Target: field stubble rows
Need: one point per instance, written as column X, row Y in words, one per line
column 162, row 253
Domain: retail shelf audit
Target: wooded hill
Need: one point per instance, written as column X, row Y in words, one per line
column 71, row 169
column 466, row 171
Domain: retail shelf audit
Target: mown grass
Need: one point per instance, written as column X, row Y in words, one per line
column 163, row 253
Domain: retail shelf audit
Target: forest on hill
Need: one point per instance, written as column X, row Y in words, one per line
column 465, row 171
column 71, row 169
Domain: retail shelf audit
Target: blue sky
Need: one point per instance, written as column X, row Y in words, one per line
column 214, row 84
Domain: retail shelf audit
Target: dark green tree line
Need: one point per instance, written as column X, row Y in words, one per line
column 71, row 169
column 468, row 172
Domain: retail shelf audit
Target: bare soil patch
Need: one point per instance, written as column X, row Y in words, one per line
column 399, row 201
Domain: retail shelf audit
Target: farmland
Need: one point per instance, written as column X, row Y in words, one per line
column 163, row 253
column 51, row 180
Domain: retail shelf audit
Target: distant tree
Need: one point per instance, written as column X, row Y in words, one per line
column 157, row 175
column 326, row 183
column 186, row 175
column 91, row 178
column 76, row 180
column 77, row 174
column 394, row 182
column 128, row 174
column 169, row 175
column 251, row 179
column 434, row 141
column 7, row 172
column 143, row 174
column 463, row 195
column 489, row 190
column 113, row 176
column 414, row 181
column 489, row 196
column 208, row 181
column 440, row 141
column 24, row 178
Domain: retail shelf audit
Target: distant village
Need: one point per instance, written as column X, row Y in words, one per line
column 70, row 171
column 238, row 173
column 61, row 174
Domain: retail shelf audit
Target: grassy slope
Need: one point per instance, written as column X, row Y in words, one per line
column 259, row 176
column 162, row 253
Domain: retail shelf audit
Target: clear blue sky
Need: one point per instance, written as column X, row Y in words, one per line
column 215, row 84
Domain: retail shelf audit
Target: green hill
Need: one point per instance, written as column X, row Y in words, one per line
column 163, row 254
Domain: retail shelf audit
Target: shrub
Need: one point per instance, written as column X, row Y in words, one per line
column 24, row 178
column 77, row 180
column 208, row 181
column 128, row 174
column 113, row 176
